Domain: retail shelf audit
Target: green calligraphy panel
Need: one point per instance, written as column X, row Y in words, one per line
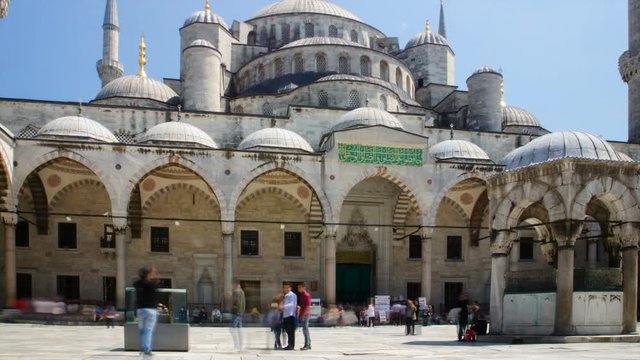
column 383, row 155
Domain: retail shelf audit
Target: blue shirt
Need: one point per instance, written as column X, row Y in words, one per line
column 290, row 304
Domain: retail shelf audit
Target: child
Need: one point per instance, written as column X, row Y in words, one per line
column 274, row 318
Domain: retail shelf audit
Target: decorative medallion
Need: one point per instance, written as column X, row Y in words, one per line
column 466, row 199
column 54, row 180
column 148, row 185
column 303, row 192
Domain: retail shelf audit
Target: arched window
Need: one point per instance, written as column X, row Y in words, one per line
column 354, row 100
column 279, row 67
column 296, row 32
column 264, row 36
column 298, row 64
column 344, row 67
column 285, row 29
column 261, row 73
column 323, row 99
column 354, row 36
column 251, row 38
column 309, row 30
column 267, row 109
column 384, row 71
column 383, row 102
column 333, row 31
column 272, row 36
column 372, row 42
column 365, row 66
column 321, row 63
column 399, row 77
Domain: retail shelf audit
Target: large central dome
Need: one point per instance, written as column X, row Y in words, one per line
column 305, row 7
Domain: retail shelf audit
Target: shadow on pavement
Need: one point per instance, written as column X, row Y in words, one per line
column 453, row 343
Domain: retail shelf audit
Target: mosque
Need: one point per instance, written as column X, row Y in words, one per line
column 303, row 144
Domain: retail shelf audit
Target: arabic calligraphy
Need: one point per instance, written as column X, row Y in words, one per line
column 385, row 155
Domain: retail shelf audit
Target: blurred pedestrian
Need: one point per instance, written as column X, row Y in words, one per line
column 304, row 314
column 371, row 315
column 146, row 287
column 238, row 307
column 410, row 318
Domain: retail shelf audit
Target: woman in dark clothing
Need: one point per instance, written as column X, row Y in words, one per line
column 410, row 317
column 463, row 317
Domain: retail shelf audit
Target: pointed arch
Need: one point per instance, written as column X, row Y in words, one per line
column 275, row 191
column 433, row 210
column 178, row 186
column 620, row 200
column 71, row 187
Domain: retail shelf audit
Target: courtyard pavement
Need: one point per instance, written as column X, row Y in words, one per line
column 25, row 341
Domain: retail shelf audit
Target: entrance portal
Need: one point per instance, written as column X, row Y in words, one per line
column 353, row 283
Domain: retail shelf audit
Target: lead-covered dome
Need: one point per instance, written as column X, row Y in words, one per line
column 275, row 138
column 514, row 116
column 205, row 17
column 321, row 41
column 366, row 117
column 139, row 87
column 458, row 150
column 76, row 127
column 569, row 144
column 427, row 37
column 172, row 133
column 305, row 7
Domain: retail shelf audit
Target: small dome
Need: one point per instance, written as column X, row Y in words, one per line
column 139, row 87
column 427, row 37
column 201, row 43
column 366, row 117
column 458, row 150
column 177, row 132
column 486, row 69
column 305, row 7
column 321, row 41
column 275, row 138
column 513, row 116
column 569, row 144
column 205, row 17
column 76, row 127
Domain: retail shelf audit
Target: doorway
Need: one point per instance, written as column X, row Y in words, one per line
column 452, row 291
column 353, row 283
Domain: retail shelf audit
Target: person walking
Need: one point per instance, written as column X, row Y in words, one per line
column 463, row 316
column 146, row 287
column 410, row 318
column 304, row 314
column 371, row 315
column 238, row 307
column 289, row 316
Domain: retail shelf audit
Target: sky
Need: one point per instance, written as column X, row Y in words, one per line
column 559, row 58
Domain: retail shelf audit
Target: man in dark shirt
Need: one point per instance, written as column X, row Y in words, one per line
column 304, row 314
column 146, row 306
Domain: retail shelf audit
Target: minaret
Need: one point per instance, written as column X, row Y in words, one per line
column 442, row 29
column 630, row 70
column 109, row 68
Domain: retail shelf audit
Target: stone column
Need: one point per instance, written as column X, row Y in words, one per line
column 425, row 269
column 227, row 236
column 592, row 249
column 501, row 243
column 630, row 288
column 330, row 265
column 120, row 233
column 10, row 221
column 564, row 290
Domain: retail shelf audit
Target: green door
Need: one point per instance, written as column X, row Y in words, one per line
column 353, row 283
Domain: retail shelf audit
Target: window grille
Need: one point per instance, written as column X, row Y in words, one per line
column 321, row 63
column 365, row 66
column 354, row 36
column 354, row 99
column 333, row 31
column 298, row 64
column 309, row 30
column 279, row 65
column 267, row 109
column 343, row 65
column 286, row 33
column 323, row 99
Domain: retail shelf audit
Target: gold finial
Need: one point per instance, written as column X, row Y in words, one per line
column 143, row 57
column 207, row 7
column 428, row 27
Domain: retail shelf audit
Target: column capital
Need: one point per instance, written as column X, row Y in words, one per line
column 626, row 235
column 228, row 227
column 565, row 232
column 426, row 233
column 331, row 231
column 9, row 218
column 501, row 241
column 120, row 225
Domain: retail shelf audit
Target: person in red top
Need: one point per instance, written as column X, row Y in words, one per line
column 304, row 313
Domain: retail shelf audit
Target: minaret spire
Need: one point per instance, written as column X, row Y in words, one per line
column 442, row 29
column 109, row 67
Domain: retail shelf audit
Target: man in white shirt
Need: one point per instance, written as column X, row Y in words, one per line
column 289, row 315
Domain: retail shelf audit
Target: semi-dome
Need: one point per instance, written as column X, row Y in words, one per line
column 201, row 43
column 366, row 117
column 458, row 150
column 205, row 17
column 77, row 127
column 171, row 133
column 514, row 116
column 427, row 37
column 275, row 138
column 139, row 87
column 569, row 144
column 321, row 41
column 305, row 7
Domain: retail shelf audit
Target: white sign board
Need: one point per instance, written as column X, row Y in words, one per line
column 316, row 309
column 382, row 305
column 423, row 302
